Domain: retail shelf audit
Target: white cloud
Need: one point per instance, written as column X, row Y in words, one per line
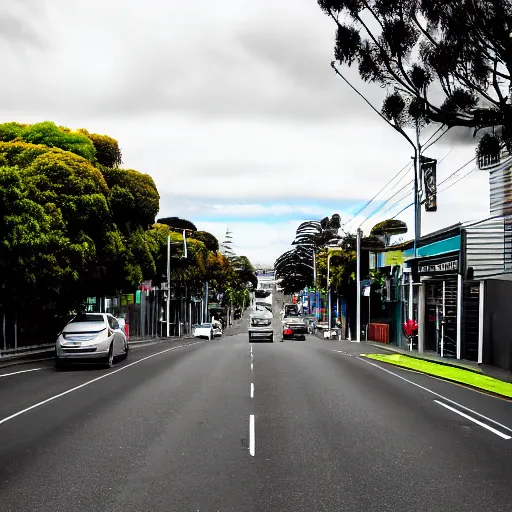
column 232, row 103
column 260, row 242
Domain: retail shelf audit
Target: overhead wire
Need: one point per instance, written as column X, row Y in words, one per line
column 404, row 168
column 461, row 178
column 447, row 187
column 428, row 144
column 396, row 193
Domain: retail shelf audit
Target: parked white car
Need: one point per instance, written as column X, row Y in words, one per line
column 217, row 329
column 91, row 338
column 204, row 331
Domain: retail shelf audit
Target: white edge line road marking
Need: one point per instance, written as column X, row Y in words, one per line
column 252, row 390
column 76, row 388
column 474, row 420
column 252, row 447
column 252, row 365
column 22, row 371
column 436, row 394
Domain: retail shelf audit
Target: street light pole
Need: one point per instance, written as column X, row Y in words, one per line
column 329, row 289
column 314, row 282
column 358, row 261
column 168, row 305
column 417, row 156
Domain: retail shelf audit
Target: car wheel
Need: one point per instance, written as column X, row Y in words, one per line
column 110, row 358
column 126, row 349
column 272, row 339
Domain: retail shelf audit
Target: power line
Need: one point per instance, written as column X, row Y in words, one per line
column 396, row 193
column 385, row 202
column 457, row 181
column 458, row 170
column 444, row 189
column 402, row 210
column 381, row 190
column 427, row 145
column 410, row 191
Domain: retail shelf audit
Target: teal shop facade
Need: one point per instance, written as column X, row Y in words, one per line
column 427, row 288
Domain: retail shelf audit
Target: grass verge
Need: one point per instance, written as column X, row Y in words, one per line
column 459, row 375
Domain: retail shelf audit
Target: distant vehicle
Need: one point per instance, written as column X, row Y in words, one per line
column 89, row 338
column 260, row 325
column 262, row 294
column 204, row 331
column 217, row 329
column 291, row 310
column 294, row 326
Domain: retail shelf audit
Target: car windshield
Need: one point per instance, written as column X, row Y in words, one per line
column 205, row 325
column 89, row 318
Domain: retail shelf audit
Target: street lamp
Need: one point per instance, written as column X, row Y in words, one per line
column 330, row 250
column 358, row 263
column 417, row 158
column 168, row 306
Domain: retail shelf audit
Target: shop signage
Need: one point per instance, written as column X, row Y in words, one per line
column 445, row 266
column 428, row 168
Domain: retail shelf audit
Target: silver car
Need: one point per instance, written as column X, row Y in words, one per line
column 89, row 338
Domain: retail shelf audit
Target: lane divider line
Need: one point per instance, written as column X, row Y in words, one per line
column 252, row 442
column 435, row 394
column 474, row 420
column 22, row 371
column 76, row 388
column 252, row 390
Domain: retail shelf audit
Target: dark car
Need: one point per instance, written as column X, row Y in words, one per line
column 294, row 330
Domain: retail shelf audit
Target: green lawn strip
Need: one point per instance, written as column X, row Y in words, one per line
column 426, row 357
column 459, row 375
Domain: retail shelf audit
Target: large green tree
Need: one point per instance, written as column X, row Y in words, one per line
column 66, row 230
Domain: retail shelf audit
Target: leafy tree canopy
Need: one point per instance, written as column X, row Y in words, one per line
column 441, row 60
column 177, row 224
column 134, row 198
column 108, row 152
column 49, row 134
column 389, row 227
column 208, row 240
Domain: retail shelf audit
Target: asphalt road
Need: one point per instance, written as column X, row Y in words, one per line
column 170, row 429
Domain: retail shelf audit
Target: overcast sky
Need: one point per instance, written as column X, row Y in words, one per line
column 231, row 106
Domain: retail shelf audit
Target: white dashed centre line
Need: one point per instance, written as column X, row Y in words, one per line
column 252, row 443
column 252, row 390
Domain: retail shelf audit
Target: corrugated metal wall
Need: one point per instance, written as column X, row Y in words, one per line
column 500, row 187
column 486, row 247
